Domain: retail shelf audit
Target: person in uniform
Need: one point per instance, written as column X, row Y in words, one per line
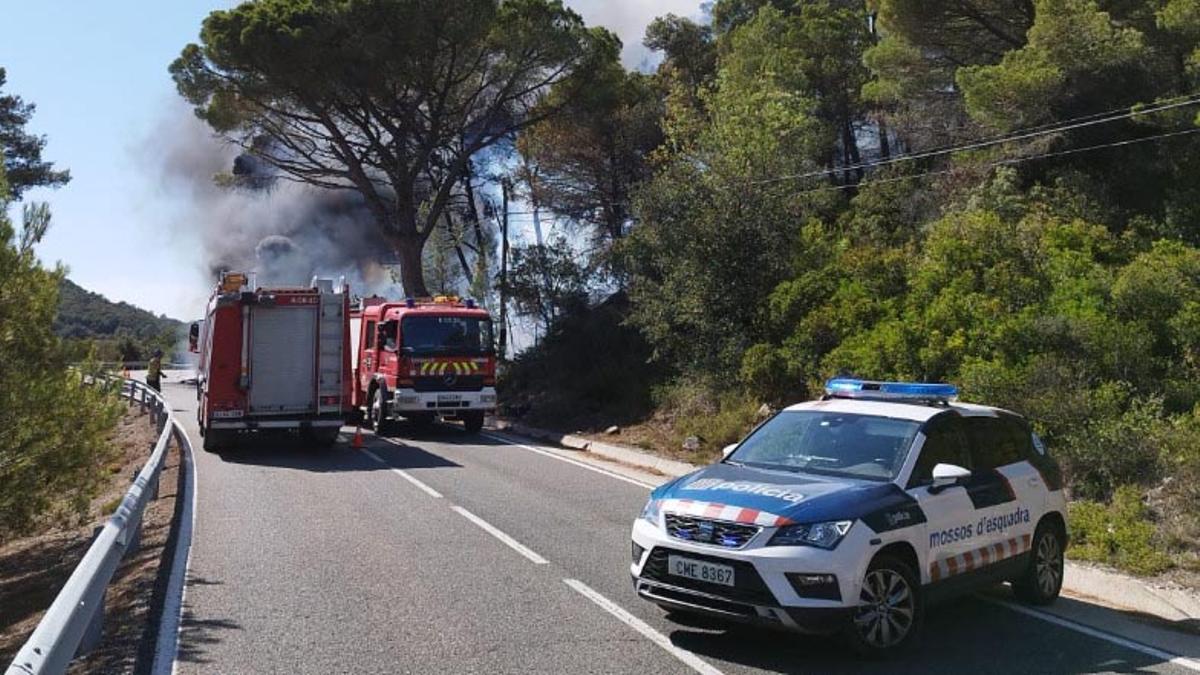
column 154, row 372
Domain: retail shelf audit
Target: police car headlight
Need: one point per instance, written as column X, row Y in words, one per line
column 822, row 535
column 650, row 512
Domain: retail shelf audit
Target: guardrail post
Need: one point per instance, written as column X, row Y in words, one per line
column 95, row 628
column 135, row 539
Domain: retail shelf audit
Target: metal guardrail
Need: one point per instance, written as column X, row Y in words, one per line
column 74, row 622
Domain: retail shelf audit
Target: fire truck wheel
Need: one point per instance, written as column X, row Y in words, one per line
column 377, row 414
column 473, row 421
column 215, row 441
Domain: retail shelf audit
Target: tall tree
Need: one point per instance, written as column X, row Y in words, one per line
column 587, row 162
column 391, row 98
column 22, row 151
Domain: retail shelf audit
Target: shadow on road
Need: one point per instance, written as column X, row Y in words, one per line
column 282, row 451
column 196, row 634
column 966, row 634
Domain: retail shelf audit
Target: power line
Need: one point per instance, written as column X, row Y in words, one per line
column 1012, row 160
column 1023, row 134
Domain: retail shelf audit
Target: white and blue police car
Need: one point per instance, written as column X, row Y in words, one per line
column 851, row 513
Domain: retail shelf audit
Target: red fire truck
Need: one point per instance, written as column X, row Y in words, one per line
column 423, row 360
column 273, row 359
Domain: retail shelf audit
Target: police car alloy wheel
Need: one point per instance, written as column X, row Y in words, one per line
column 850, row 513
column 890, row 609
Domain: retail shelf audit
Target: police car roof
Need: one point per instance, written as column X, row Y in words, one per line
column 915, row 410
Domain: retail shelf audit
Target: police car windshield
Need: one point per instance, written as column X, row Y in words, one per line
column 828, row 443
column 446, row 335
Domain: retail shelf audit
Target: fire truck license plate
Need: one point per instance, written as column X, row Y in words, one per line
column 700, row 570
column 448, row 398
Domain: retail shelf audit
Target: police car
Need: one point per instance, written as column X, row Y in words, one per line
column 851, row 513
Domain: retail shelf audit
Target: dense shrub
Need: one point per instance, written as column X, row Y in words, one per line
column 1118, row 533
column 53, row 432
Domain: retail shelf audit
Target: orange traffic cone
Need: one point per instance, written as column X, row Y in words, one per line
column 357, row 443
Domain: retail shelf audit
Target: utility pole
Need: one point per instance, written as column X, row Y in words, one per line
column 504, row 187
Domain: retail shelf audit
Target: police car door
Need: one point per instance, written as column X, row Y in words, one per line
column 1006, row 490
column 949, row 513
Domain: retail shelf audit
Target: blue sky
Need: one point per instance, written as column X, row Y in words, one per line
column 98, row 74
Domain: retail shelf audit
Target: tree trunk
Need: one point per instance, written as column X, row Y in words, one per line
column 412, row 265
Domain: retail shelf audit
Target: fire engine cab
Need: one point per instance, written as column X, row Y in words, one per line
column 273, row 359
column 423, row 360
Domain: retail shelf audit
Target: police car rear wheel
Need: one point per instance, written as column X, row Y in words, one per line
column 1042, row 582
column 890, row 610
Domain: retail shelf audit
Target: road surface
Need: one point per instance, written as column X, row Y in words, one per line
column 445, row 553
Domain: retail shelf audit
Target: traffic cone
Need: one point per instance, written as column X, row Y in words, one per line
column 357, row 443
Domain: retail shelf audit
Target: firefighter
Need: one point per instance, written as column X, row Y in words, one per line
column 154, row 373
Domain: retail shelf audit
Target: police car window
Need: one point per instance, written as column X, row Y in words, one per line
column 828, row 443
column 992, row 443
column 945, row 443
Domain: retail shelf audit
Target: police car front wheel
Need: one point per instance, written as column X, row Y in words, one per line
column 890, row 609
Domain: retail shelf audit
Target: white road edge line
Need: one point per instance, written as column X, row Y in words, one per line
column 568, row 460
column 689, row 659
column 1173, row 659
column 405, row 475
column 504, row 538
column 166, row 649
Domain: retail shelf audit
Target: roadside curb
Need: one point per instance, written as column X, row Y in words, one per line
column 638, row 458
column 1129, row 593
column 1111, row 589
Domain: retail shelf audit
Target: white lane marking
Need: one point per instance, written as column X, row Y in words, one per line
column 1173, row 659
column 691, row 660
column 166, row 650
column 568, row 460
column 504, row 538
column 405, row 475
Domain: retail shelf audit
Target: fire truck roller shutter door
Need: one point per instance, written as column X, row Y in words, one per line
column 282, row 372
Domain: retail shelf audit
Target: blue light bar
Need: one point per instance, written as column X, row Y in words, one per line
column 844, row 387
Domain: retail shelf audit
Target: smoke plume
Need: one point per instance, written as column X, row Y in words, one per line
column 244, row 218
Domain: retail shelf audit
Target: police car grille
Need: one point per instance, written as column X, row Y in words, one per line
column 704, row 531
column 748, row 585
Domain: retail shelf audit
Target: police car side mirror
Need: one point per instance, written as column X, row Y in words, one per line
column 728, row 450
column 947, row 475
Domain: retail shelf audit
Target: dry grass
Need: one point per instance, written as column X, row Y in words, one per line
column 34, row 568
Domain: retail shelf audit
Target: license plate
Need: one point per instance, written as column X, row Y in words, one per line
column 446, row 398
column 700, row 570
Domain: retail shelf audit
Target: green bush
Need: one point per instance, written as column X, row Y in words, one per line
column 1119, row 533
column 715, row 417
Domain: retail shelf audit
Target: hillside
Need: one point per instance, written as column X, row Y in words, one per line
column 119, row 329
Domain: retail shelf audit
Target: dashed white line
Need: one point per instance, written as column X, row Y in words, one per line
column 568, row 460
column 504, row 538
column 1166, row 656
column 691, row 660
column 406, row 476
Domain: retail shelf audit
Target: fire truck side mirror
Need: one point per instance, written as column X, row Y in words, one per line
column 194, row 338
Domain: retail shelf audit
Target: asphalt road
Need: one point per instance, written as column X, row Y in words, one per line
column 446, row 553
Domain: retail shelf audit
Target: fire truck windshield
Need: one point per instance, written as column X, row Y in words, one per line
column 446, row 335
